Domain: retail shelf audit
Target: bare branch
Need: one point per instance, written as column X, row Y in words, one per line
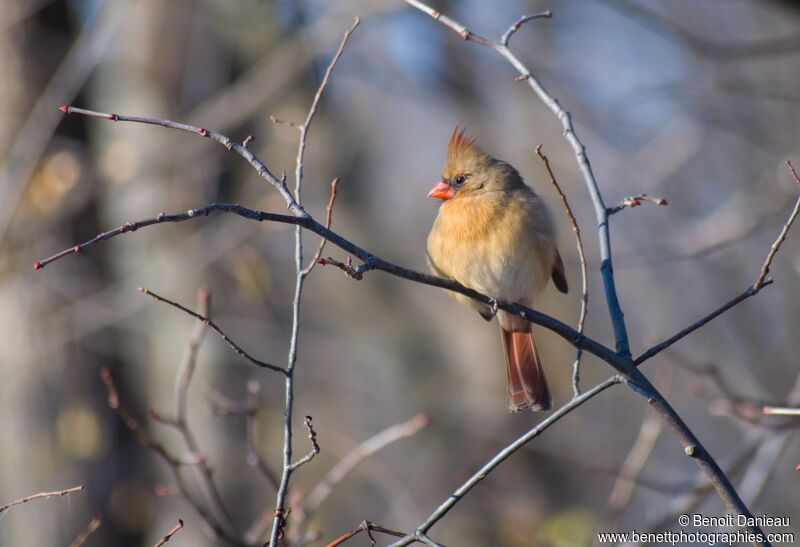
column 501, row 456
column 328, row 219
column 312, row 436
column 365, row 526
column 640, row 451
column 173, row 463
column 93, row 525
column 760, row 282
column 521, row 21
column 635, row 201
column 40, row 495
column 182, row 381
column 280, row 185
column 216, row 328
column 279, row 514
column 576, row 366
column 350, row 461
column 169, row 534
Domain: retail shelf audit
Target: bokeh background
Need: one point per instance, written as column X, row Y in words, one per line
column 696, row 102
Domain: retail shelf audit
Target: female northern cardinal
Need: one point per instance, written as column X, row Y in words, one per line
column 493, row 234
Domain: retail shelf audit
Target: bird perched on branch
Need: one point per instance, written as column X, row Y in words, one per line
column 493, row 234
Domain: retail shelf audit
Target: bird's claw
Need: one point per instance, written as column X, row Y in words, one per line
column 493, row 306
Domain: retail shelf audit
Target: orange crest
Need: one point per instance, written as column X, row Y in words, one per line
column 462, row 153
column 459, row 142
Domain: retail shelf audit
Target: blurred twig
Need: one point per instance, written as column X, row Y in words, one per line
column 328, row 218
column 32, row 138
column 173, row 463
column 501, row 456
column 93, row 525
column 576, row 366
column 350, row 461
column 40, row 495
column 182, row 381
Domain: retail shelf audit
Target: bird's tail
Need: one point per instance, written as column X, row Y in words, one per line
column 527, row 387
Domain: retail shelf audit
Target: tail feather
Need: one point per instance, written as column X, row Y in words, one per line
column 527, row 387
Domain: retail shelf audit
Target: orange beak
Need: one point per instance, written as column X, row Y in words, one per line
column 441, row 190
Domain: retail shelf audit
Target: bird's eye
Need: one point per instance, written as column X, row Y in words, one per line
column 460, row 180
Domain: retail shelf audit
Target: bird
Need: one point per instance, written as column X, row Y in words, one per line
column 495, row 235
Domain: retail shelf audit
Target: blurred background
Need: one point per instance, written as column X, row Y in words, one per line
column 696, row 102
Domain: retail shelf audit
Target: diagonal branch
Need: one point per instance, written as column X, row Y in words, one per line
column 90, row 529
column 168, row 535
column 761, row 282
column 279, row 184
column 208, row 322
column 504, row 454
column 40, row 495
column 350, row 461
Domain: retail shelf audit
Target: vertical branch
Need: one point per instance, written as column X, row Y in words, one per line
column 279, row 515
column 576, row 366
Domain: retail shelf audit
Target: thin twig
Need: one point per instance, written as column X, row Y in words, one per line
column 173, row 463
column 254, row 457
column 216, row 328
column 279, row 184
column 521, row 21
column 576, row 366
column 279, row 513
column 182, row 382
column 640, row 451
column 168, row 535
column 328, row 219
column 40, row 495
column 635, row 201
column 350, row 461
column 312, row 436
column 501, row 456
column 781, row 237
column 248, row 408
column 93, row 525
column 365, row 526
column 761, row 282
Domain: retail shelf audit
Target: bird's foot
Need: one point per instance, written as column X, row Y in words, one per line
column 492, row 311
